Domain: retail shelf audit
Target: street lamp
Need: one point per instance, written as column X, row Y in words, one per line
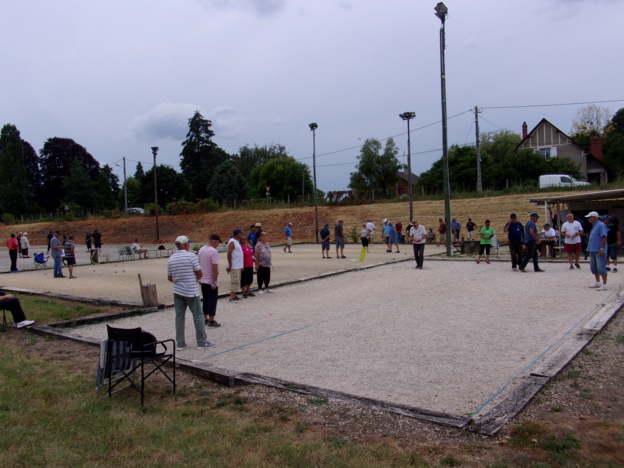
column 155, row 152
column 441, row 12
column 313, row 126
column 125, row 185
column 409, row 116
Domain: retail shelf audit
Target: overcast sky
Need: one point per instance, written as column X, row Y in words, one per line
column 121, row 76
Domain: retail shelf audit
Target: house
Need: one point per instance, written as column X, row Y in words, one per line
column 403, row 183
column 553, row 143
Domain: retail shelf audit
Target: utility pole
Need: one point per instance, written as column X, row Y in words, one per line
column 478, row 148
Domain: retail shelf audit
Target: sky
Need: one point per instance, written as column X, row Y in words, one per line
column 119, row 77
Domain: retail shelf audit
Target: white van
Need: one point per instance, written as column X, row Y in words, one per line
column 559, row 180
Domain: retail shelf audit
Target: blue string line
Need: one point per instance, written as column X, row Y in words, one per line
column 514, row 378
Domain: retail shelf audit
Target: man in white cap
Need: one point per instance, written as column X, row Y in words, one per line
column 288, row 235
column 184, row 272
column 596, row 248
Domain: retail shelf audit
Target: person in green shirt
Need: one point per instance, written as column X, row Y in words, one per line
column 486, row 233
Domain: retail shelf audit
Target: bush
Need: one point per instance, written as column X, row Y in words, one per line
column 206, row 205
column 181, row 207
column 8, row 218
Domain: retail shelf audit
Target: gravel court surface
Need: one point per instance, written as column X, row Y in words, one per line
column 451, row 337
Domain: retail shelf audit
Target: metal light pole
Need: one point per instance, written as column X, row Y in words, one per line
column 441, row 12
column 409, row 116
column 155, row 152
column 313, row 126
column 125, row 185
column 478, row 148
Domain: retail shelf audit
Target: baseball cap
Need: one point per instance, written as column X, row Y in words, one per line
column 258, row 225
column 534, row 214
column 181, row 240
column 592, row 213
column 215, row 237
column 290, row 224
column 237, row 231
column 605, row 216
column 326, row 224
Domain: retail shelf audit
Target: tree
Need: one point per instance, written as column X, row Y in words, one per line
column 613, row 147
column 376, row 170
column 79, row 189
column 107, row 189
column 172, row 186
column 14, row 187
column 286, row 177
column 139, row 173
column 200, row 156
column 33, row 171
column 228, row 184
column 591, row 118
column 248, row 158
column 57, row 156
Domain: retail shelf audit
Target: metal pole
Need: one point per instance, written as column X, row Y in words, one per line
column 478, row 148
column 125, row 187
column 154, row 152
column 313, row 126
column 409, row 173
column 447, row 184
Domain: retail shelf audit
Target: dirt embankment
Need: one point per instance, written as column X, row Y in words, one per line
column 200, row 226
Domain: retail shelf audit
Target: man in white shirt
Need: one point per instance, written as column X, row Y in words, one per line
column 549, row 233
column 418, row 236
column 371, row 232
column 183, row 271
column 235, row 262
column 572, row 231
column 136, row 248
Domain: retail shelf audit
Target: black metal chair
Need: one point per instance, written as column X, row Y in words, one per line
column 132, row 354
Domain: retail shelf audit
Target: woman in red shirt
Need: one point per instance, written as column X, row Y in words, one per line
column 248, row 266
column 11, row 243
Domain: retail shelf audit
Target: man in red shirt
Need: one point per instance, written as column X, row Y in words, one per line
column 442, row 231
column 12, row 245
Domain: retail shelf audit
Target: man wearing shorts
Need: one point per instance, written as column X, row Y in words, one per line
column 340, row 240
column 470, row 227
column 235, row 262
column 325, row 241
column 614, row 240
column 371, row 232
column 597, row 251
column 288, row 234
column 572, row 231
column 70, row 255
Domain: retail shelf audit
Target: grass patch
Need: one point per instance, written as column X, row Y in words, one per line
column 620, row 338
column 526, row 435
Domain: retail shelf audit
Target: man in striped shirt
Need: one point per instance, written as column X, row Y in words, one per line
column 184, row 272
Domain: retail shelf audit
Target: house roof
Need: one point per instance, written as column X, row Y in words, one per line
column 544, row 121
column 586, row 196
column 404, row 176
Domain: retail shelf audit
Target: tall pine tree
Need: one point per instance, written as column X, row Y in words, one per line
column 14, row 187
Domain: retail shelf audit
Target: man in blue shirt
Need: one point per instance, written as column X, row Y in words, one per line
column 531, row 239
column 456, row 229
column 596, row 248
column 288, row 235
column 514, row 229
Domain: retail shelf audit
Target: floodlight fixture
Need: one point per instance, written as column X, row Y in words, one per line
column 313, row 126
column 441, row 11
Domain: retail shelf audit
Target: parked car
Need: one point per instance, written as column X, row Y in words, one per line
column 559, row 180
column 135, row 210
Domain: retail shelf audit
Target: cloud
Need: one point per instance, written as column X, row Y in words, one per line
column 261, row 7
column 227, row 122
column 168, row 120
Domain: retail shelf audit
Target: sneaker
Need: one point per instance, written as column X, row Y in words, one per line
column 614, row 269
column 244, row 296
column 206, row 345
column 269, row 290
column 604, row 287
column 24, row 323
column 284, row 249
column 514, row 268
column 234, row 299
column 487, row 261
column 522, row 269
column 478, row 261
column 213, row 323
column 577, row 265
column 539, row 270
column 571, row 267
column 342, row 256
column 251, row 295
column 261, row 291
column 596, row 285
column 608, row 268
column 180, row 348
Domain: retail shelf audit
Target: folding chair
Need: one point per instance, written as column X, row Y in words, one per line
column 360, row 259
column 40, row 261
column 132, row 354
column 4, row 322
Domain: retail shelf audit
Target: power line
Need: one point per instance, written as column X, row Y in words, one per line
column 554, row 105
